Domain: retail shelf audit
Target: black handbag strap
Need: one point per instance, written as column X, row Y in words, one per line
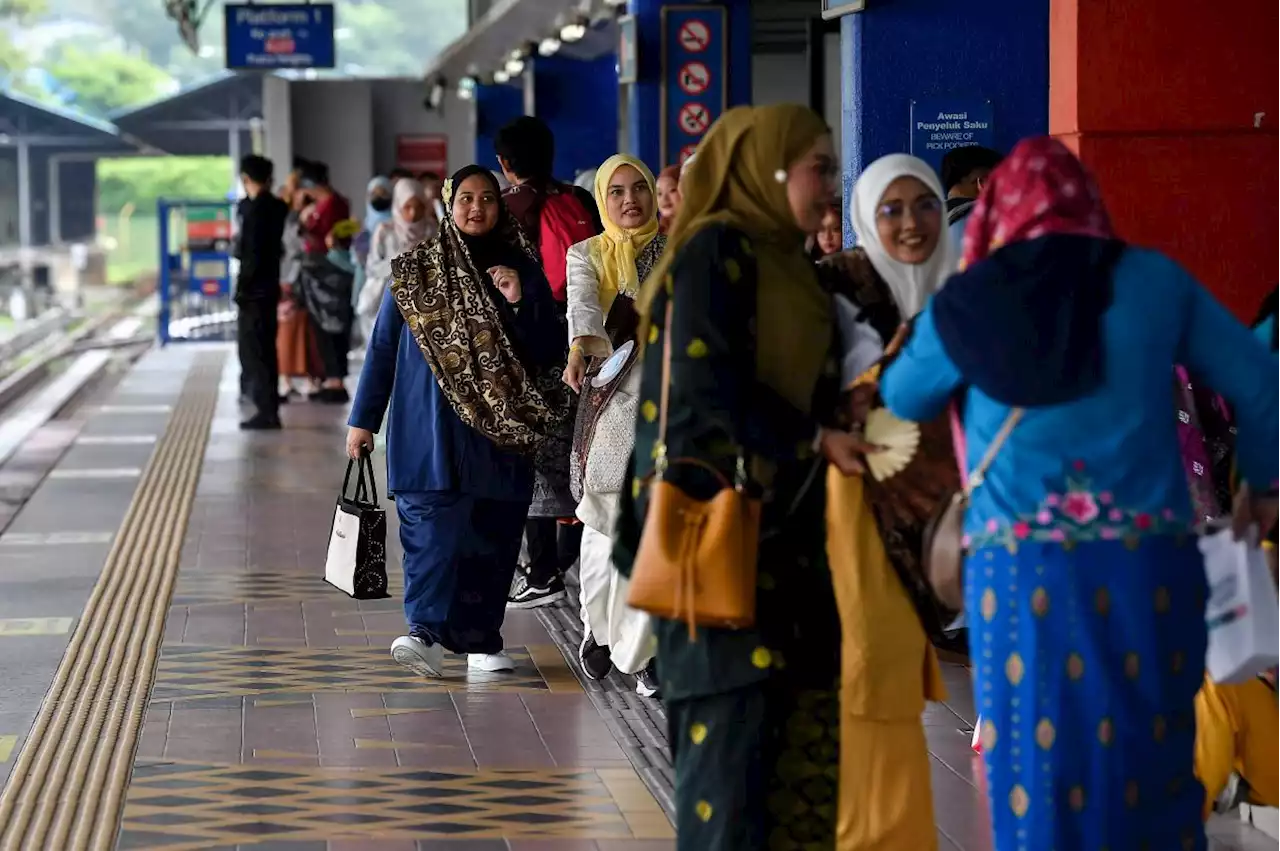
column 365, row 489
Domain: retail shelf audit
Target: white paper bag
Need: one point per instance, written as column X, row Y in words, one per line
column 344, row 541
column 1242, row 615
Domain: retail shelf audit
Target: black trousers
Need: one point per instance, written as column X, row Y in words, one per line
column 553, row 548
column 259, row 372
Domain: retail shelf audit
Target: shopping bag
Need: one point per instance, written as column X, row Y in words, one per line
column 357, row 558
column 1242, row 615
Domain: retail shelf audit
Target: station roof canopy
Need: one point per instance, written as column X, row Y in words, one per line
column 200, row 119
column 509, row 25
column 24, row 119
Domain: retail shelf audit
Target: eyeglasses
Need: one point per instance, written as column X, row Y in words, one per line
column 893, row 211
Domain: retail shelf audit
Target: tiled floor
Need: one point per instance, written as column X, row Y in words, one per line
column 278, row 721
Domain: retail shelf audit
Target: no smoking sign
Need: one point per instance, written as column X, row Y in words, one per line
column 695, row 78
column 695, row 36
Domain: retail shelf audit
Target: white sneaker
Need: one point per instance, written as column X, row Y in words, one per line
column 425, row 660
column 490, row 662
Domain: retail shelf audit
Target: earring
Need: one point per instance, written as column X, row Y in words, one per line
column 780, row 175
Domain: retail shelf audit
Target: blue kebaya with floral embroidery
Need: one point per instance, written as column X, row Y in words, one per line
column 1084, row 589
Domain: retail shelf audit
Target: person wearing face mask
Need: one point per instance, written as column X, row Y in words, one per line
column 889, row 666
column 460, row 443
column 604, row 275
column 753, row 384
column 410, row 223
column 377, row 210
column 1084, row 584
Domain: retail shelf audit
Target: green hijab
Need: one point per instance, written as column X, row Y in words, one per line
column 734, row 182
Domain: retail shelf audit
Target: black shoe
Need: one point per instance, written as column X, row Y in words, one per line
column 336, row 396
column 284, row 398
column 260, row 423
column 525, row 595
column 596, row 661
column 647, row 683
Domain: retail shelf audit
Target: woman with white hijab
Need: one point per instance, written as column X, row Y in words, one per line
column 411, row 222
column 888, row 665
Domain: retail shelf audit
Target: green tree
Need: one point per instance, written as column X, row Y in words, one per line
column 142, row 180
column 15, row 13
column 106, row 80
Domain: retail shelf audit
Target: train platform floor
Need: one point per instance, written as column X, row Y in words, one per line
column 175, row 673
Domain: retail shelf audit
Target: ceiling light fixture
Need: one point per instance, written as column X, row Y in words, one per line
column 501, row 76
column 548, row 46
column 576, row 31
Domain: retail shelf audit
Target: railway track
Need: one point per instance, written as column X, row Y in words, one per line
column 56, row 360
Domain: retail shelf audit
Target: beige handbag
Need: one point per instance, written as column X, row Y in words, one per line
column 944, row 550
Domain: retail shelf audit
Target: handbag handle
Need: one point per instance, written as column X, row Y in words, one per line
column 662, row 462
column 972, row 481
column 363, row 488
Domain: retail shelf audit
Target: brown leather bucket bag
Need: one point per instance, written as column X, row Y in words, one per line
column 697, row 558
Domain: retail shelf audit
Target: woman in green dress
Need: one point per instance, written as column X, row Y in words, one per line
column 753, row 712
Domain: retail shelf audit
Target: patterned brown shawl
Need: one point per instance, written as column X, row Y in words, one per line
column 455, row 315
column 904, row 504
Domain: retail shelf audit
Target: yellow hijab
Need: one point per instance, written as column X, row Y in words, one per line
column 613, row 253
column 734, row 182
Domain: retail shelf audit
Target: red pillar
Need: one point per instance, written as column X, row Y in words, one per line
column 1173, row 103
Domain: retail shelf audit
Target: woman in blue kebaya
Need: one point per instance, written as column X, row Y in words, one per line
column 1084, row 587
column 467, row 350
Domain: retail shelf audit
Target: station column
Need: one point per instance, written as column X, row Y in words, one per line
column 1172, row 104
column 578, row 98
column 692, row 62
column 495, row 105
column 923, row 76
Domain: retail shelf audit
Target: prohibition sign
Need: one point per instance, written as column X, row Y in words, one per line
column 695, row 78
column 694, row 36
column 694, row 119
column 686, row 152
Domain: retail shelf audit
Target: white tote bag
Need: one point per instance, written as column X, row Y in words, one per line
column 357, row 559
column 1242, row 615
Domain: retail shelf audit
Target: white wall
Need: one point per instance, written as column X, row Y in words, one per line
column 333, row 123
column 779, row 78
column 831, row 85
column 277, row 124
column 398, row 109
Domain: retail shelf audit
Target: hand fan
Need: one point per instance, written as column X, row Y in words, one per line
column 899, row 437
column 609, row 371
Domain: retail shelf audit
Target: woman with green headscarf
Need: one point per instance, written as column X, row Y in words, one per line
column 753, row 713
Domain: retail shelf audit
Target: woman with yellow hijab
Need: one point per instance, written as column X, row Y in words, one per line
column 753, row 713
column 604, row 275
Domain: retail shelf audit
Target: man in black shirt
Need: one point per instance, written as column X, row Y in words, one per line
column 258, row 290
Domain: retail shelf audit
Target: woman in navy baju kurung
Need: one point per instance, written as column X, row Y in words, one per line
column 465, row 349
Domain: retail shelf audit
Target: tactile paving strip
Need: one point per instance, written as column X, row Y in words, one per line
column 67, row 789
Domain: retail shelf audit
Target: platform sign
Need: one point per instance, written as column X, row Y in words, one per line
column 278, row 36
column 628, row 49
column 943, row 124
column 419, row 152
column 695, row 84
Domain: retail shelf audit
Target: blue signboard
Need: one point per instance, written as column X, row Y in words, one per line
column 695, row 90
column 273, row 37
column 941, row 124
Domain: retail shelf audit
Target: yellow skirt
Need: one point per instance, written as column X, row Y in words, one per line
column 889, row 670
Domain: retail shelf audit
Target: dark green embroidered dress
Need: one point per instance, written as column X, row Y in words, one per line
column 754, row 712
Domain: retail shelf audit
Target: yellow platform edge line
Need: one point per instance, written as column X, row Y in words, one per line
column 66, row 790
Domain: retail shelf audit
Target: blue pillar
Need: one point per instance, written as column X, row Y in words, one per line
column 943, row 51
column 644, row 107
column 496, row 106
column 579, row 101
